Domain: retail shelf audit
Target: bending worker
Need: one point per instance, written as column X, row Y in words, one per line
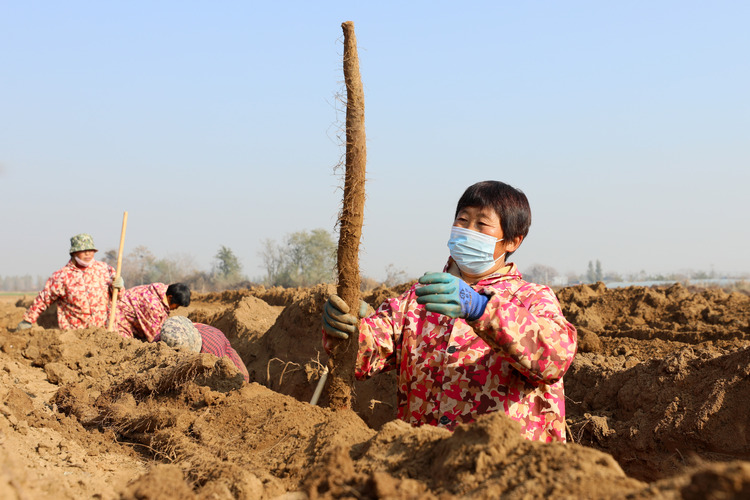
column 475, row 338
column 181, row 333
column 142, row 310
column 82, row 289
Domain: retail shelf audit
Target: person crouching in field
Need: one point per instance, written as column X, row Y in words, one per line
column 142, row 310
column 181, row 333
column 475, row 338
column 82, row 289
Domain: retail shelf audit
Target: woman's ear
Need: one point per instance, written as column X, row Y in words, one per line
column 512, row 245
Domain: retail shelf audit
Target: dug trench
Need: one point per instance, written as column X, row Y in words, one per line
column 657, row 403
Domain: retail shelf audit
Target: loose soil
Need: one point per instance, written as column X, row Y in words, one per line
column 658, row 399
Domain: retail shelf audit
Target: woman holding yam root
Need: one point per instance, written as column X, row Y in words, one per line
column 475, row 338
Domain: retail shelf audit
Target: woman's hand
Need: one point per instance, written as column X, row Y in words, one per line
column 337, row 322
column 446, row 294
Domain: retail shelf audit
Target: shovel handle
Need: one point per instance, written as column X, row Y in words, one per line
column 112, row 310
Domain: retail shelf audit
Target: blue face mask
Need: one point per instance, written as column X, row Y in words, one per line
column 474, row 252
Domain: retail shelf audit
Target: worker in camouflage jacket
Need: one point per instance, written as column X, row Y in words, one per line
column 142, row 310
column 82, row 289
column 475, row 338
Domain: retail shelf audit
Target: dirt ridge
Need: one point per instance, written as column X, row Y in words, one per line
column 657, row 399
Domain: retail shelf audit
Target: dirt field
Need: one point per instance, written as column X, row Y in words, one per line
column 658, row 399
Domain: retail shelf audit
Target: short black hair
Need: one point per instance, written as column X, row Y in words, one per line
column 510, row 204
column 179, row 293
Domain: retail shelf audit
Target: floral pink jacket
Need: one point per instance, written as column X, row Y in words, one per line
column 141, row 311
column 511, row 359
column 82, row 296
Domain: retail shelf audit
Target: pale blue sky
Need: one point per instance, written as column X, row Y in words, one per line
column 215, row 123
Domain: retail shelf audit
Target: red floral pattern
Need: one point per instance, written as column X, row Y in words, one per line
column 82, row 295
column 141, row 311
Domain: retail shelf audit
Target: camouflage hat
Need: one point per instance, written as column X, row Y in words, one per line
column 81, row 242
column 179, row 332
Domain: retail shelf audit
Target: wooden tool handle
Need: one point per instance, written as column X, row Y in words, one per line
column 113, row 309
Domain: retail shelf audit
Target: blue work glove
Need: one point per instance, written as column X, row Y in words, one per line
column 446, row 294
column 118, row 283
column 337, row 322
column 23, row 325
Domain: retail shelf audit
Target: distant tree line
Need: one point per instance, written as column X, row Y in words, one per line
column 140, row 267
column 306, row 258
column 595, row 272
column 26, row 283
column 301, row 259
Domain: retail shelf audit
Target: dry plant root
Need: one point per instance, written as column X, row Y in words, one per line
column 343, row 357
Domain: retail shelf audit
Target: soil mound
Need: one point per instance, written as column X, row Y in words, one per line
column 657, row 400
